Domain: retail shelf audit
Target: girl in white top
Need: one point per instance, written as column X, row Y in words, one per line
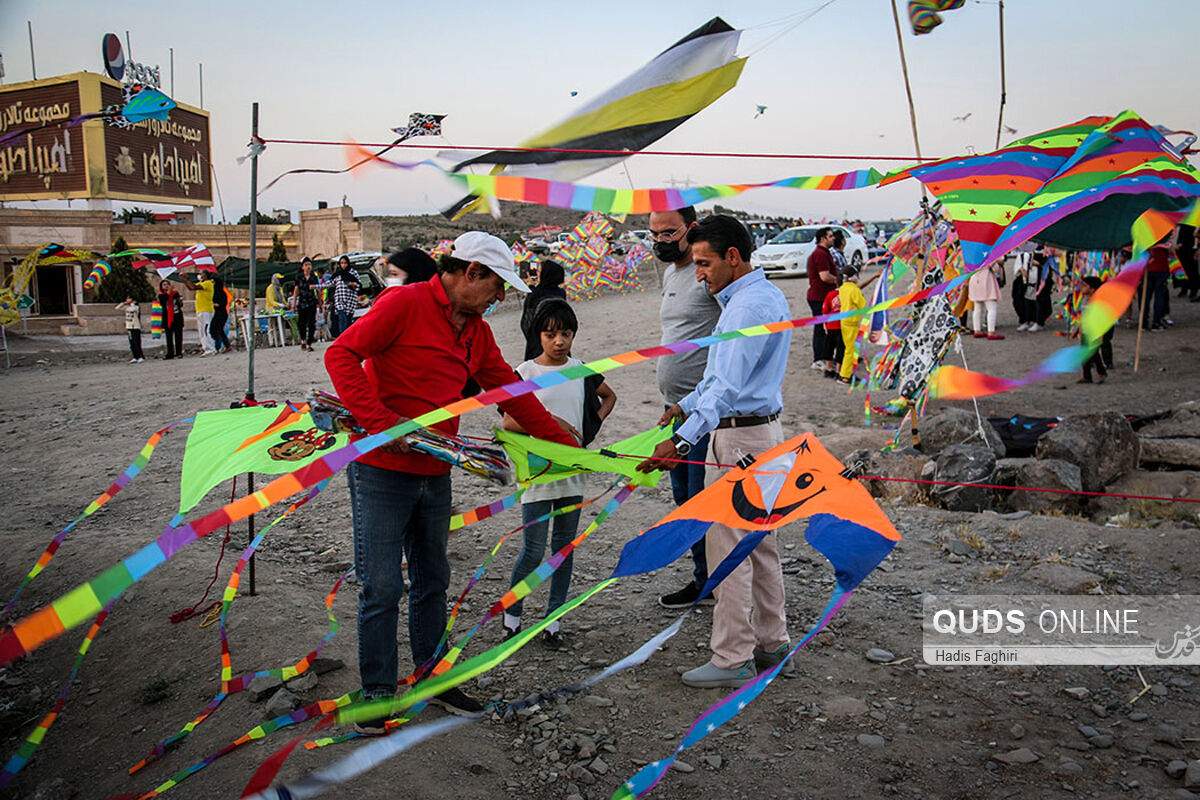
column 133, row 327
column 565, row 402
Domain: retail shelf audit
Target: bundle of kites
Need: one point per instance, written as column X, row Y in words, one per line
column 1095, row 185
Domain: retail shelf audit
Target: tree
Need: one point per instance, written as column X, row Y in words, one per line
column 145, row 214
column 263, row 219
column 124, row 281
column 278, row 251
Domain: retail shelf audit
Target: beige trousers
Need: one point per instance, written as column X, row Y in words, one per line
column 750, row 602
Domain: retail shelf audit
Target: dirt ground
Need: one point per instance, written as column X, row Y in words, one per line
column 73, row 423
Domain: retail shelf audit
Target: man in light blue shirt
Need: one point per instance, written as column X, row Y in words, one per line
column 738, row 401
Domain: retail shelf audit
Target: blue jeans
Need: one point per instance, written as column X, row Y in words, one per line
column 343, row 319
column 687, row 481
column 533, row 553
column 1156, row 298
column 398, row 514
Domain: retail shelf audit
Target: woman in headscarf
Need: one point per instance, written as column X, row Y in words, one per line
column 172, row 318
column 276, row 299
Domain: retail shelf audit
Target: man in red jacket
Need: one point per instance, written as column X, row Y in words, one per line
column 822, row 279
column 412, row 353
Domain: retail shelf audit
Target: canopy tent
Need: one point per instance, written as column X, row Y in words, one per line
column 236, row 272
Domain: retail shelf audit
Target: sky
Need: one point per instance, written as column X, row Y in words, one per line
column 502, row 72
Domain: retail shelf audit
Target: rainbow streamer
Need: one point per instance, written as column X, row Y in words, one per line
column 229, row 684
column 483, row 512
column 156, row 315
column 580, row 197
column 98, row 273
column 131, row 472
column 25, row 752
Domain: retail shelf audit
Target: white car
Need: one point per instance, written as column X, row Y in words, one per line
column 787, row 254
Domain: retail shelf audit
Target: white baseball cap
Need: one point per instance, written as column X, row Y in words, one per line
column 492, row 253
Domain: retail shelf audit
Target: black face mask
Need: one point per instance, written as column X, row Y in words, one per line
column 669, row 252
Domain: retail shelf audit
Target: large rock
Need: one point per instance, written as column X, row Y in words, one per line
column 1103, row 446
column 1182, row 420
column 956, row 426
column 964, row 463
column 906, row 464
column 1177, row 452
column 1050, row 473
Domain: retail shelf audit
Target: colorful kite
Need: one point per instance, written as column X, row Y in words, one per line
column 419, row 124
column 140, row 104
column 1079, row 187
column 924, row 16
column 794, row 480
column 677, row 84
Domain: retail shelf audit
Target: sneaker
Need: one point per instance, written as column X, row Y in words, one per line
column 553, row 640
column 457, row 703
column 818, row 366
column 1024, row 326
column 994, row 336
column 684, row 598
column 133, row 361
column 510, row 632
column 711, row 676
column 767, row 659
column 1168, row 321
column 843, row 381
column 1033, row 327
column 373, row 726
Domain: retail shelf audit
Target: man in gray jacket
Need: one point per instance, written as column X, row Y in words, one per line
column 688, row 311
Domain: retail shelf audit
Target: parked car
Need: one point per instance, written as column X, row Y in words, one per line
column 762, row 230
column 877, row 234
column 786, row 255
column 370, row 284
column 641, row 237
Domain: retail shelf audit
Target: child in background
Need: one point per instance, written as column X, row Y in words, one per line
column 557, row 323
column 833, row 340
column 133, row 327
column 1102, row 358
column 322, row 325
column 851, row 298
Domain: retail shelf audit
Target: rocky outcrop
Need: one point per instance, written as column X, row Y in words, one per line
column 1032, row 473
column 964, row 463
column 1103, row 446
column 956, row 426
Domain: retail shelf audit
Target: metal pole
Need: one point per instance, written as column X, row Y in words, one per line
column 32, row 62
column 202, row 86
column 1003, row 86
column 253, row 243
column 128, row 48
column 172, row 71
column 912, row 109
column 250, row 522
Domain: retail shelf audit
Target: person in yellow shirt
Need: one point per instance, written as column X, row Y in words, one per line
column 276, row 299
column 851, row 298
column 204, row 310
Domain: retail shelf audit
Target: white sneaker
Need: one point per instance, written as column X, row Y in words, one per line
column 1024, row 326
column 819, row 366
column 140, row 360
column 1033, row 326
column 133, row 361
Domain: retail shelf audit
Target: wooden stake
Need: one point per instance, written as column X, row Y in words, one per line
column 1137, row 351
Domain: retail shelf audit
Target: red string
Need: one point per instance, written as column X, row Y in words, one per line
column 953, row 483
column 1033, row 489
column 605, row 152
column 187, row 613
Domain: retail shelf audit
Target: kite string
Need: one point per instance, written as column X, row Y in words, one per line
column 600, row 152
column 187, row 613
